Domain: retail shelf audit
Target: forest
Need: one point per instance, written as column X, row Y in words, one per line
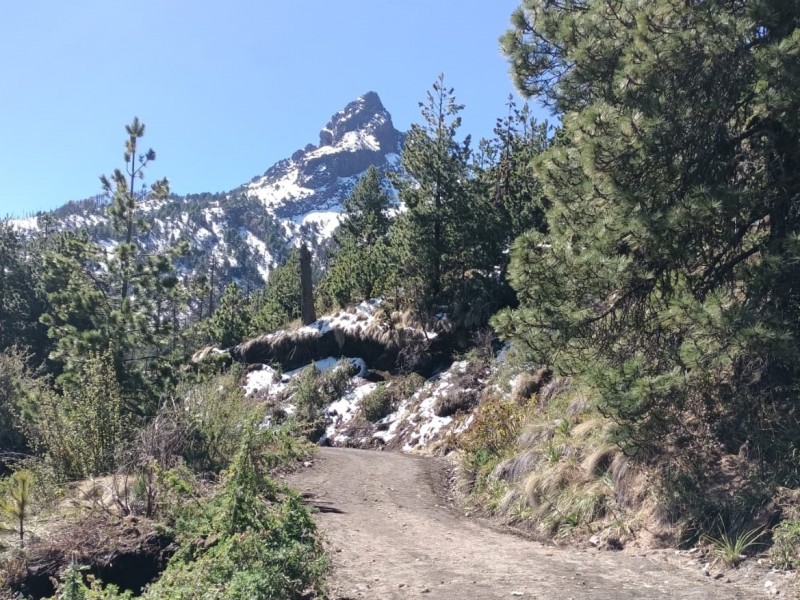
column 643, row 251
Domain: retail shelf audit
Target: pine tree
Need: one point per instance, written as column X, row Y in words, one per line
column 124, row 301
column 21, row 303
column 359, row 261
column 279, row 302
column 16, row 506
column 674, row 222
column 229, row 323
column 435, row 190
column 366, row 217
column 515, row 190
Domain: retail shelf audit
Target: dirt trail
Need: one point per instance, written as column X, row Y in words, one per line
column 391, row 536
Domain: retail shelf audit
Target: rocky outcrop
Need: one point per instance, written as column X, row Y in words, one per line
column 319, row 178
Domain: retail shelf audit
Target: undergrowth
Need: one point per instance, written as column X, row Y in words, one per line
column 252, row 538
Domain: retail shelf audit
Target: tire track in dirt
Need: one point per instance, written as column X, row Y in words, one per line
column 391, row 535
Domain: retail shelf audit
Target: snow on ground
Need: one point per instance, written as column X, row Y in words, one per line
column 326, row 221
column 267, row 381
column 415, row 419
column 413, row 426
column 28, row 224
column 259, row 248
column 351, row 322
column 340, row 413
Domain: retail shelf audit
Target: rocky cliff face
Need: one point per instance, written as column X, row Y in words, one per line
column 247, row 231
column 309, row 187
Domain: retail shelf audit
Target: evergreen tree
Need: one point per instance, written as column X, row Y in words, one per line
column 124, row 301
column 229, row 323
column 20, row 299
column 279, row 302
column 674, row 226
column 359, row 261
column 435, row 188
column 366, row 217
column 515, row 190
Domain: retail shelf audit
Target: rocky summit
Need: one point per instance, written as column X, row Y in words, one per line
column 310, row 186
column 247, row 231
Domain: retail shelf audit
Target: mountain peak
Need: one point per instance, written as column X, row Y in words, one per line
column 366, row 113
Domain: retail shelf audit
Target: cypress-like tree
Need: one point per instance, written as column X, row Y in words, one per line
column 665, row 277
column 229, row 323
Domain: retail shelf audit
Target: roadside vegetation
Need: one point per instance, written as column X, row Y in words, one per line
column 637, row 263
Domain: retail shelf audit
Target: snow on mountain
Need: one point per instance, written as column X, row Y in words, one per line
column 248, row 231
column 309, row 187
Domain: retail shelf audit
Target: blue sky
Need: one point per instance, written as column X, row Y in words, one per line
column 225, row 88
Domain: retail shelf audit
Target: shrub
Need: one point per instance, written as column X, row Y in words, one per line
column 377, row 404
column 455, row 401
column 785, row 552
column 312, row 390
column 410, row 384
column 81, row 431
column 217, row 411
column 14, row 380
column 254, row 539
column 495, row 427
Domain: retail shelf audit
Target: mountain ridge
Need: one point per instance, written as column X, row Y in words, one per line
column 249, row 230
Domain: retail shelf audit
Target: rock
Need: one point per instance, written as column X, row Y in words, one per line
column 595, row 541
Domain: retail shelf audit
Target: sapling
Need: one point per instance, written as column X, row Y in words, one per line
column 16, row 503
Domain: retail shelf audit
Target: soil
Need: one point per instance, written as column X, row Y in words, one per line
column 393, row 532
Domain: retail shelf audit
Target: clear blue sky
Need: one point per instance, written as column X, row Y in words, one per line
column 225, row 88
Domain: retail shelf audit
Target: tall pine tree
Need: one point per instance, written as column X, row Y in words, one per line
column 673, row 232
column 359, row 261
column 432, row 235
column 123, row 301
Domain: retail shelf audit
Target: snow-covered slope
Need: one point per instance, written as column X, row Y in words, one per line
column 247, row 231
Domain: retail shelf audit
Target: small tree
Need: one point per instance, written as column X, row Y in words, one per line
column 122, row 301
column 228, row 325
column 16, row 505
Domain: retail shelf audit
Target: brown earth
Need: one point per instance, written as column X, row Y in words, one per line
column 393, row 533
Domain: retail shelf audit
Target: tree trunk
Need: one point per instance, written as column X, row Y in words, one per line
column 306, row 291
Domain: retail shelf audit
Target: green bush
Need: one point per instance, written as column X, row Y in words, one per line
column 82, row 431
column 785, row 552
column 217, row 411
column 255, row 539
column 14, row 382
column 312, row 390
column 378, row 403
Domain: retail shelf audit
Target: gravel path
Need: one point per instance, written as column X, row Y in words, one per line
column 391, row 535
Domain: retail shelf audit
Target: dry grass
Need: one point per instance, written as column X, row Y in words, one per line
column 562, row 475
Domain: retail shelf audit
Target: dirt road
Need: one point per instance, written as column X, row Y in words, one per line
column 391, row 535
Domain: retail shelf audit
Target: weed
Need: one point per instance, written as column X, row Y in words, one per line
column 553, row 452
column 731, row 547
